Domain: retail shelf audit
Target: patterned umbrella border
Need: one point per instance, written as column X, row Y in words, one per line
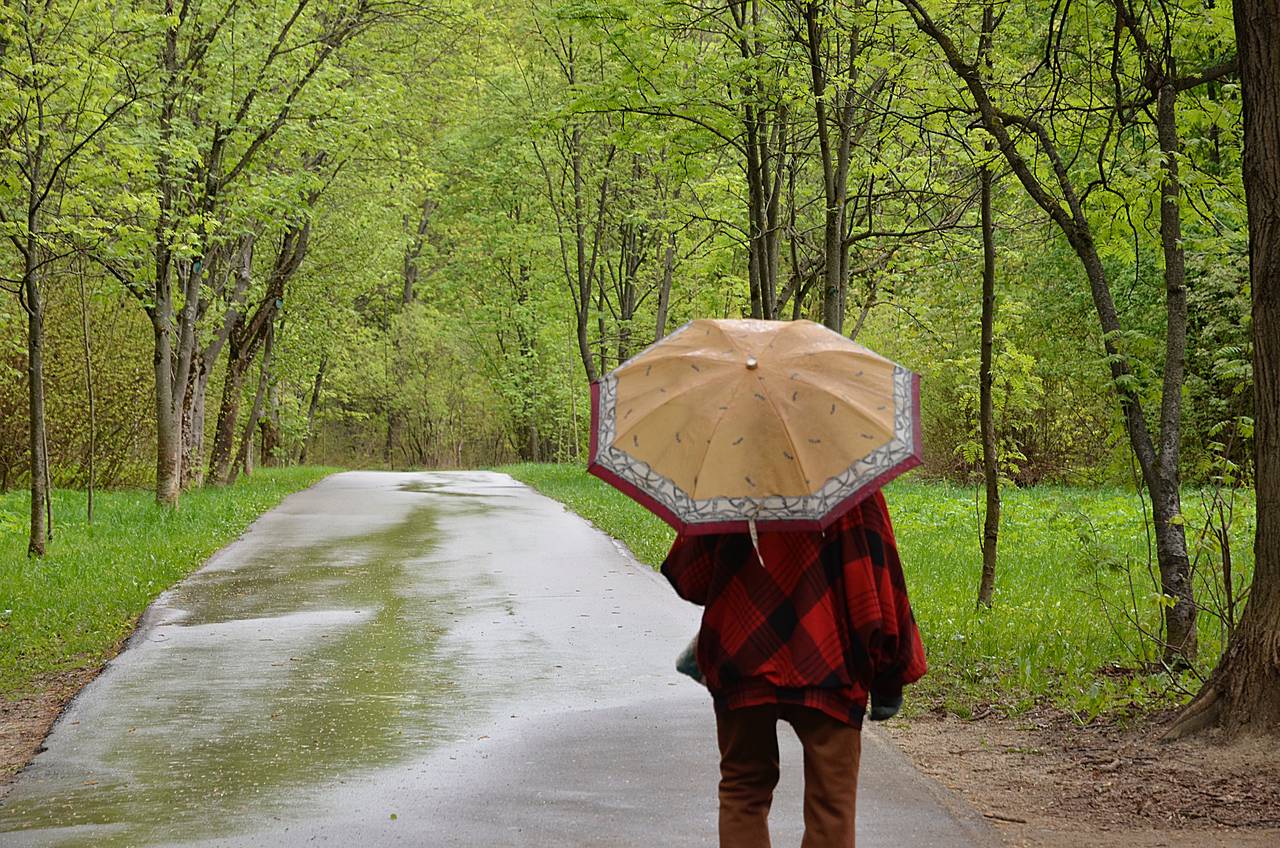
column 597, row 467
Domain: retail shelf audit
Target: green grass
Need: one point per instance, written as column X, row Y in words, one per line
column 72, row 608
column 1072, row 561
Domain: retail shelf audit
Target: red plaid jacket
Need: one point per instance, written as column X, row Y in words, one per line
column 825, row 621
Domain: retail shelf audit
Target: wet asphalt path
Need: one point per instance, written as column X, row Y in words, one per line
column 430, row 659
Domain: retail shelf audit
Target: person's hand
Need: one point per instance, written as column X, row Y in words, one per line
column 687, row 662
column 885, row 705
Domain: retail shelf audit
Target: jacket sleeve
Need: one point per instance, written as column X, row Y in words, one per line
column 689, row 566
column 880, row 611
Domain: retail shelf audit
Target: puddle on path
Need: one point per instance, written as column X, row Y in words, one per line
column 295, row 668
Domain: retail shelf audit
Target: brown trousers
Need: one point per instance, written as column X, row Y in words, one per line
column 749, row 772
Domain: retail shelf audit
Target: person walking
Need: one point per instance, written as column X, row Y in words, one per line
column 807, row 627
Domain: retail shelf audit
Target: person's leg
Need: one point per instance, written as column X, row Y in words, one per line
column 832, row 750
column 748, row 773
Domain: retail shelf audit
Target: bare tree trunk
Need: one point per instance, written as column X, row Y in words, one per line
column 630, row 259
column 226, row 264
column 664, row 290
column 413, row 253
column 221, row 464
column 986, row 413
column 244, row 340
column 1171, row 540
column 244, row 456
column 311, row 410
column 986, row 380
column 836, row 103
column 600, row 327
column 764, row 126
column 270, row 427
column 1243, row 693
column 389, row 442
column 193, row 417
column 160, row 309
column 38, row 540
column 88, row 387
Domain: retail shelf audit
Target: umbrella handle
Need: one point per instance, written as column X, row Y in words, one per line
column 755, row 539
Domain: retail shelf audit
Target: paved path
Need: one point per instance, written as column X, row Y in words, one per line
column 436, row 659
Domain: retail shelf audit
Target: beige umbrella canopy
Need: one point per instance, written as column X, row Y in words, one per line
column 725, row 422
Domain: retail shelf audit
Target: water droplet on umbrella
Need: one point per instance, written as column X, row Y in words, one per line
column 759, row 396
column 678, row 439
column 833, row 409
column 787, row 455
column 794, row 395
column 750, row 482
column 635, row 441
column 739, row 440
column 815, row 441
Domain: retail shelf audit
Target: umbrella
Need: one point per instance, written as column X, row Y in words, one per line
column 732, row 425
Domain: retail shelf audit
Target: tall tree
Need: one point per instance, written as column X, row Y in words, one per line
column 63, row 86
column 1062, row 197
column 986, row 379
column 211, row 132
column 1243, row 693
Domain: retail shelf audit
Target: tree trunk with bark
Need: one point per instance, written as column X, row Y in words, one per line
column 664, row 288
column 244, row 456
column 312, row 407
column 269, row 425
column 986, row 380
column 38, row 540
column 1243, row 693
column 1171, row 540
column 765, row 126
column 413, row 253
column 244, row 340
column 232, row 270
column 87, row 349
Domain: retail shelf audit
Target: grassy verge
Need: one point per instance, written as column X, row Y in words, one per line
column 72, row 608
column 1073, row 586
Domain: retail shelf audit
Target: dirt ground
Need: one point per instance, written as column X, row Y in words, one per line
column 1048, row 783
column 25, row 722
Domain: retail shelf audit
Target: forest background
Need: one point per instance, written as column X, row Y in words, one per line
column 407, row 234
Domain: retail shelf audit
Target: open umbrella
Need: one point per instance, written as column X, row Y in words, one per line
column 733, row 425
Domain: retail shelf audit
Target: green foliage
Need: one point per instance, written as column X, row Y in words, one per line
column 453, row 135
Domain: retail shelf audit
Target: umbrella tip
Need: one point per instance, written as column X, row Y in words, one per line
column 752, row 363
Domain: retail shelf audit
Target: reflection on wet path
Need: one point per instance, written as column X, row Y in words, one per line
column 291, row 664
column 343, row 672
